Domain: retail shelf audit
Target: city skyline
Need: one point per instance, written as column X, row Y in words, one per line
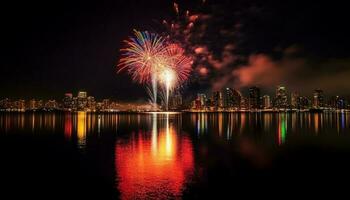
column 228, row 99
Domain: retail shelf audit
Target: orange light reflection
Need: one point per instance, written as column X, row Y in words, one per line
column 156, row 166
column 81, row 129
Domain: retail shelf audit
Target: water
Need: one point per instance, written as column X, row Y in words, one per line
column 170, row 156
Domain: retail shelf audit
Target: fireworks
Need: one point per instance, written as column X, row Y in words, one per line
column 141, row 55
column 167, row 78
column 151, row 59
column 176, row 8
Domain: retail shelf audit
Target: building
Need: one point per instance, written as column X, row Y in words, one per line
column 82, row 94
column 51, row 105
column 32, row 104
column 68, row 101
column 105, row 104
column 209, row 104
column 266, row 102
column 281, row 99
column 337, row 102
column 318, row 100
column 4, row 104
column 40, row 104
column 304, row 103
column 99, row 106
column 91, row 103
column 82, row 101
column 196, row 104
column 18, row 105
column 68, row 95
column 254, row 98
column 202, row 98
column 200, row 103
column 232, row 99
column 75, row 103
column 294, row 100
column 35, row 104
column 217, row 100
column 244, row 103
column 176, row 101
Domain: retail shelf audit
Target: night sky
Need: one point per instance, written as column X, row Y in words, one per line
column 52, row 47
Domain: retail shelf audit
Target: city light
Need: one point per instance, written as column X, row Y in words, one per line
column 227, row 100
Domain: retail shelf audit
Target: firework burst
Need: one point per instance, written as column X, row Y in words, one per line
column 141, row 58
column 141, row 55
column 151, row 60
column 180, row 62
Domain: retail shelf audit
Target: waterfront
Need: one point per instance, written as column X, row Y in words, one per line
column 157, row 156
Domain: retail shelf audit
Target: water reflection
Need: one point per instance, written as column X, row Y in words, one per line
column 282, row 125
column 156, row 163
column 224, row 125
column 81, row 129
column 282, row 128
column 316, row 122
column 154, row 155
column 68, row 125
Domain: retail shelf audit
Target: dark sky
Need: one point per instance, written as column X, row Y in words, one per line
column 52, row 47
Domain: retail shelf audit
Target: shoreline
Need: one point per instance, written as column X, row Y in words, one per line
column 178, row 112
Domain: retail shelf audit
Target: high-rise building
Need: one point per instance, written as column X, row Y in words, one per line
column 304, row 103
column 294, row 99
column 232, row 99
column 254, row 98
column 318, row 100
column 75, row 103
column 196, row 104
column 176, row 101
column 244, row 103
column 91, row 103
column 209, row 104
column 105, row 104
column 82, row 100
column 217, row 99
column 32, row 104
column 82, row 94
column 337, row 102
column 281, row 99
column 266, row 102
column 202, row 98
column 68, row 101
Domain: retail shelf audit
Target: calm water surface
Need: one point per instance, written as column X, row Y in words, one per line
column 160, row 156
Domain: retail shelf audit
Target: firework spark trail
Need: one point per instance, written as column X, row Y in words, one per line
column 140, row 58
column 176, row 8
column 179, row 67
column 167, row 78
column 150, row 58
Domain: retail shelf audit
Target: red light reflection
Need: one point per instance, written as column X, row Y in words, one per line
column 154, row 164
column 68, row 126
